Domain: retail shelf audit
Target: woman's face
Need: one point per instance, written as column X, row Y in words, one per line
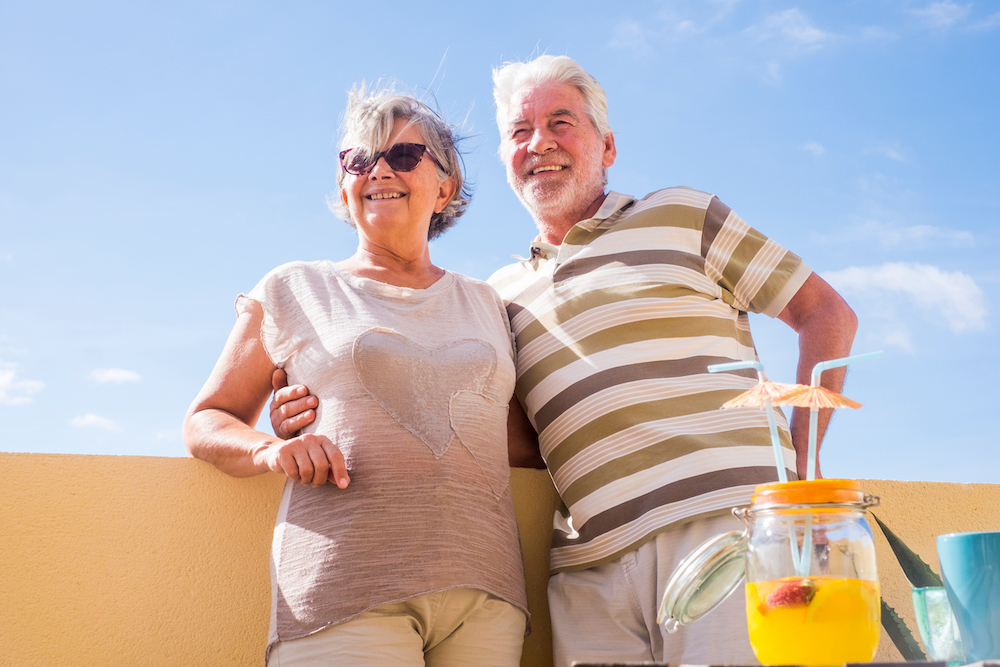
column 384, row 201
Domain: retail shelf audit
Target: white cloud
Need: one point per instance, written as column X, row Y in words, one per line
column 896, row 236
column 14, row 390
column 91, row 419
column 694, row 17
column 877, row 34
column 814, row 148
column 942, row 14
column 891, row 151
column 898, row 338
column 794, row 29
column 988, row 24
column 115, row 375
column 951, row 298
column 630, row 34
column 773, row 73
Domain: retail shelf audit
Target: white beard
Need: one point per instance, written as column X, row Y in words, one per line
column 565, row 199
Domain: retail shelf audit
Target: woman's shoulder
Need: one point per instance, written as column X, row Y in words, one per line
column 474, row 285
column 299, row 271
column 293, row 277
column 304, row 268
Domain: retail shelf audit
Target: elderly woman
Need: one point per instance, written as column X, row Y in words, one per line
column 395, row 541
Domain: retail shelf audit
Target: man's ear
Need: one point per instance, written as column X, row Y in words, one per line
column 610, row 152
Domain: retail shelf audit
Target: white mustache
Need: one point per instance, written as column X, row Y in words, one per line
column 559, row 159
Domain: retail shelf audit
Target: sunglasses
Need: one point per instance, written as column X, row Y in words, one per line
column 401, row 157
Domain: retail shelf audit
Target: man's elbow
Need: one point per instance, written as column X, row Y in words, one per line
column 846, row 318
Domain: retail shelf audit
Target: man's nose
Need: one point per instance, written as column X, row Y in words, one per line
column 542, row 141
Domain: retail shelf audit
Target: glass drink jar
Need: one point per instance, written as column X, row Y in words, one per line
column 808, row 559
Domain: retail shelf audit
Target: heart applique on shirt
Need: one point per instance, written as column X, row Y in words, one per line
column 477, row 420
column 414, row 383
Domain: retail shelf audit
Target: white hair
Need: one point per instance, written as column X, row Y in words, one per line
column 510, row 78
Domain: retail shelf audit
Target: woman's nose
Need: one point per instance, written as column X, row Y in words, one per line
column 381, row 169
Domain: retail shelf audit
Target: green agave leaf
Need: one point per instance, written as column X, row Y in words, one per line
column 916, row 571
column 900, row 634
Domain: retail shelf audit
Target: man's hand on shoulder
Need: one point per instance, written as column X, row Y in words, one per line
column 292, row 408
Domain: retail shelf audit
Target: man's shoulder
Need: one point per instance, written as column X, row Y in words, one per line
column 507, row 274
column 675, row 195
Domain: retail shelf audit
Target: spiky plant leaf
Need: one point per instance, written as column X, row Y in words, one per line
column 900, row 634
column 916, row 571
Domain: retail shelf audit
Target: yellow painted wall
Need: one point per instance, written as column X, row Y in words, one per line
column 163, row 561
column 918, row 512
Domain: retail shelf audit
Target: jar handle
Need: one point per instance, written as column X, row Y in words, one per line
column 742, row 513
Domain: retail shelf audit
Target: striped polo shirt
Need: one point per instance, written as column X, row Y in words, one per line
column 615, row 330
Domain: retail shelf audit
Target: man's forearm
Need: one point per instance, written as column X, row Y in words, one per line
column 826, row 326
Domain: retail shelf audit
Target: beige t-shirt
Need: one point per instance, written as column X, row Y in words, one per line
column 413, row 387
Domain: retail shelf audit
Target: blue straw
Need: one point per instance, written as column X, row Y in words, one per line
column 814, row 412
column 802, row 559
column 772, row 427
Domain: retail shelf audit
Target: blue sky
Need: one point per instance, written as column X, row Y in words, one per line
column 156, row 159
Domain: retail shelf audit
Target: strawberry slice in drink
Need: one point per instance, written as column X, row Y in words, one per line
column 790, row 593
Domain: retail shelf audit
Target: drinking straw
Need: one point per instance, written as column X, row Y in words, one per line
column 814, row 411
column 801, row 559
column 768, row 408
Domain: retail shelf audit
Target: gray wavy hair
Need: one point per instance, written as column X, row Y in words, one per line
column 513, row 76
column 368, row 120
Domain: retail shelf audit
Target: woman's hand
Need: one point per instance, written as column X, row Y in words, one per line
column 219, row 424
column 309, row 459
column 292, row 408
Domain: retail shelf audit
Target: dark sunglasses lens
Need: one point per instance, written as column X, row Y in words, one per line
column 356, row 162
column 401, row 157
column 404, row 157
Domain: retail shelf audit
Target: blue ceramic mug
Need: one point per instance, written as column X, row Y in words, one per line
column 970, row 566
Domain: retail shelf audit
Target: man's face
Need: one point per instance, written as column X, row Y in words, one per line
column 555, row 159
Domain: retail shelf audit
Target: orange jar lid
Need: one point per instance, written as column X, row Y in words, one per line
column 808, row 492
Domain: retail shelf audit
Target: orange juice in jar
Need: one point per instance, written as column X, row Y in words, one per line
column 817, row 621
column 808, row 558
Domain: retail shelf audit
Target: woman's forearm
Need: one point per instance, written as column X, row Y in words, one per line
column 226, row 442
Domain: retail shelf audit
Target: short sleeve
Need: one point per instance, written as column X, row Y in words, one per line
column 275, row 295
column 761, row 275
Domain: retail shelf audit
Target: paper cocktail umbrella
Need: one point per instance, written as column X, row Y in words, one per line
column 802, row 396
column 768, row 394
column 815, row 397
column 762, row 392
column 759, row 397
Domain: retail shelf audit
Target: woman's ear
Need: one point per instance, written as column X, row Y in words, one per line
column 446, row 192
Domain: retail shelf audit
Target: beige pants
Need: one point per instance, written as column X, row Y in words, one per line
column 608, row 613
column 452, row 628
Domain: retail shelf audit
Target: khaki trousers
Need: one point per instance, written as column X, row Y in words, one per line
column 608, row 613
column 457, row 627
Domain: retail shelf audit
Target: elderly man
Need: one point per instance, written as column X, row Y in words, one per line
column 617, row 313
